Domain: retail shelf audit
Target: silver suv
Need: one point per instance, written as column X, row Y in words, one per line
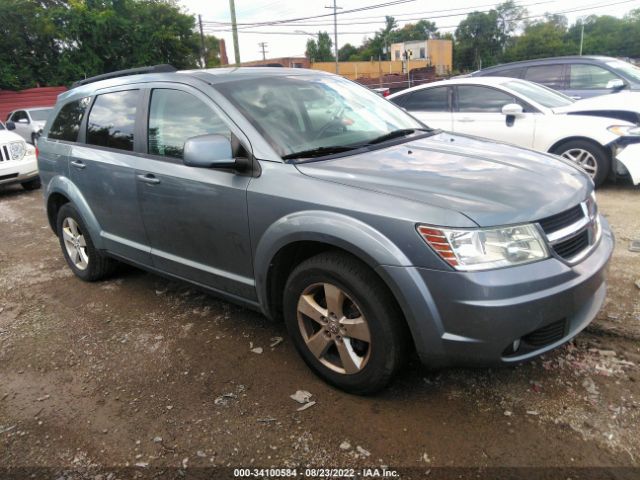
column 307, row 197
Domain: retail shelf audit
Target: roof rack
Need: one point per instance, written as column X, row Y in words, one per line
column 163, row 68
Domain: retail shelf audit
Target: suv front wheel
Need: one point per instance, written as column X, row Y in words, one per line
column 78, row 249
column 344, row 322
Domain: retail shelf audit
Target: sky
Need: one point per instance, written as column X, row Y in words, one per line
column 354, row 27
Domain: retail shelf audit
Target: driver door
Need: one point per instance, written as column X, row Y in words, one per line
column 479, row 112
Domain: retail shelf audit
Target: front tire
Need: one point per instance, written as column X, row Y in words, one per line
column 593, row 158
column 78, row 249
column 345, row 323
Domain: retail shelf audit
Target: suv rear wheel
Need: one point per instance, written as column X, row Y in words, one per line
column 344, row 322
column 78, row 249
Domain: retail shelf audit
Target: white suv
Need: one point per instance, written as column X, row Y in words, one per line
column 18, row 163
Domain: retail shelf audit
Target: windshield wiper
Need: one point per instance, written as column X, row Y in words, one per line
column 320, row 151
column 396, row 134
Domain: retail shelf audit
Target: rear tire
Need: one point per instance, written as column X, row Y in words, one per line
column 33, row 184
column 593, row 158
column 352, row 333
column 77, row 247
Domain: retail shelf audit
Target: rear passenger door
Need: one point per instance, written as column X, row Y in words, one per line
column 430, row 105
column 196, row 218
column 104, row 170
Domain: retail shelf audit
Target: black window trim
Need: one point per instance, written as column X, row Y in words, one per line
column 456, row 107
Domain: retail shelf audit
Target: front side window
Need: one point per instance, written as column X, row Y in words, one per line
column 112, row 120
column 40, row 115
column 428, row 100
column 176, row 116
column 301, row 113
column 20, row 115
column 543, row 95
column 482, row 99
column 549, row 75
column 589, row 77
column 66, row 126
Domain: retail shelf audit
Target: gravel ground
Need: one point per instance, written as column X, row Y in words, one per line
column 150, row 374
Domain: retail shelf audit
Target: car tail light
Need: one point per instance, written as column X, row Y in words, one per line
column 438, row 241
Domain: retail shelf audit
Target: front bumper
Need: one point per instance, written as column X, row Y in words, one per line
column 13, row 171
column 629, row 156
column 473, row 318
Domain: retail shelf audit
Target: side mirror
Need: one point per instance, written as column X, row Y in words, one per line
column 512, row 109
column 209, row 151
column 11, row 126
column 615, row 84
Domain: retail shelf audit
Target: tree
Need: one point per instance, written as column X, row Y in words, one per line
column 347, row 52
column 544, row 38
column 477, row 40
column 320, row 50
column 508, row 16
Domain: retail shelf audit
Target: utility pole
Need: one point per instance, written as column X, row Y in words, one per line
column 203, row 53
column 262, row 46
column 581, row 36
column 234, row 27
column 335, row 31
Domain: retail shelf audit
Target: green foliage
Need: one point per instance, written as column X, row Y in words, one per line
column 320, row 50
column 54, row 42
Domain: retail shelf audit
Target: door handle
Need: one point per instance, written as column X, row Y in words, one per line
column 78, row 164
column 466, row 120
column 149, row 179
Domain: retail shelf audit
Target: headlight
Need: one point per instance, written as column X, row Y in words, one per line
column 17, row 150
column 625, row 130
column 484, row 249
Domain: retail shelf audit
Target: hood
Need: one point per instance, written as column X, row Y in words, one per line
column 8, row 136
column 489, row 182
column 606, row 105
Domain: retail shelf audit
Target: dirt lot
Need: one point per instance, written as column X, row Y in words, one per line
column 151, row 374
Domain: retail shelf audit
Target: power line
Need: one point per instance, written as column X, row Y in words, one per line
column 263, row 46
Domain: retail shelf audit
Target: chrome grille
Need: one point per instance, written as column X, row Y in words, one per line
column 574, row 232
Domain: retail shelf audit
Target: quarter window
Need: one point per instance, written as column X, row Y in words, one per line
column 549, row 75
column 482, row 99
column 176, row 116
column 67, row 124
column 112, row 120
column 429, row 100
column 590, row 76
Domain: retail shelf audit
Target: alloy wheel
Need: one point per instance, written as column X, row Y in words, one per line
column 75, row 243
column 334, row 328
column 583, row 158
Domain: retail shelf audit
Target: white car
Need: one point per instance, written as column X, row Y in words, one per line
column 18, row 163
column 29, row 122
column 529, row 115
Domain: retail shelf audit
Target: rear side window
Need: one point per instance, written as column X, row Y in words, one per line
column 176, row 116
column 66, row 126
column 589, row 76
column 549, row 75
column 112, row 120
column 429, row 100
column 482, row 99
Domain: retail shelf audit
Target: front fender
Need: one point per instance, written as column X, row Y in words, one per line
column 63, row 186
column 339, row 230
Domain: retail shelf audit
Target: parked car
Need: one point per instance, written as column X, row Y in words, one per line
column 370, row 234
column 531, row 116
column 18, row 162
column 29, row 122
column 576, row 76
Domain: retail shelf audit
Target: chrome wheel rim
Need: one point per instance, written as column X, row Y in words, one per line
column 583, row 158
column 334, row 328
column 75, row 243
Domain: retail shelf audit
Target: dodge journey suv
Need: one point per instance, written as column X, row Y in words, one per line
column 310, row 198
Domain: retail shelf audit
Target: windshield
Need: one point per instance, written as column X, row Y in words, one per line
column 628, row 69
column 538, row 93
column 302, row 113
column 39, row 115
